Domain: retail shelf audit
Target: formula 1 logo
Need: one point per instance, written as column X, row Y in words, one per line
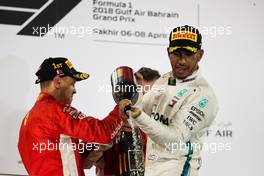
column 34, row 15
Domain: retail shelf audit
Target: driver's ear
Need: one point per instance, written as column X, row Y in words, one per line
column 56, row 82
column 199, row 54
column 139, row 78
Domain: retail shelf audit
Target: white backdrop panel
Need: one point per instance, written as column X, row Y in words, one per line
column 232, row 63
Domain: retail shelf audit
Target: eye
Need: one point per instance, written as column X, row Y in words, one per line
column 136, row 76
column 177, row 54
column 188, row 53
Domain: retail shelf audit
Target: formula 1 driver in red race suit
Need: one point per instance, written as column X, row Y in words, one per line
column 50, row 132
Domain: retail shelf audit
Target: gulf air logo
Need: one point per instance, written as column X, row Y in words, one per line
column 34, row 15
column 184, row 35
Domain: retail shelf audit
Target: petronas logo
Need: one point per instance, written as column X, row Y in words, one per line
column 182, row 92
column 203, row 103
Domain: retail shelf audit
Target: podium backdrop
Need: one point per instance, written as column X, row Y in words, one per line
column 98, row 36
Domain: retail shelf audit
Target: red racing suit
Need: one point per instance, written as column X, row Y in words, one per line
column 49, row 137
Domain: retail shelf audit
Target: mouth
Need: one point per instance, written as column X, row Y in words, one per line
column 181, row 69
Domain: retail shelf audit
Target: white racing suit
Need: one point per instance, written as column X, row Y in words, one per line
column 175, row 118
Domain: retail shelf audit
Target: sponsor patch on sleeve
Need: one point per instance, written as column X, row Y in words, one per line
column 74, row 113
